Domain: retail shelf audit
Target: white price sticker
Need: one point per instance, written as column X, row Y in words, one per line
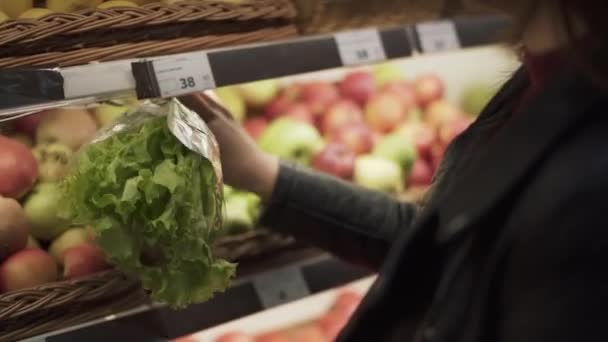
column 183, row 74
column 280, row 287
column 438, row 36
column 360, row 47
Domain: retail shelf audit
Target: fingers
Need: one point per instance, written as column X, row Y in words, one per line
column 208, row 109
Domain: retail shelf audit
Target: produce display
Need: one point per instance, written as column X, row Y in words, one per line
column 373, row 127
column 33, row 9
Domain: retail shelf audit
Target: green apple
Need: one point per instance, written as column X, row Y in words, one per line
column 378, row 174
column 476, row 97
column 232, row 100
column 41, row 208
column 387, row 72
column 70, row 238
column 258, row 94
column 395, row 148
column 292, row 140
column 53, row 160
column 106, row 113
column 241, row 213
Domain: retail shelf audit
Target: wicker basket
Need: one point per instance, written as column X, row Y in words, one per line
column 65, row 39
column 58, row 305
column 323, row 16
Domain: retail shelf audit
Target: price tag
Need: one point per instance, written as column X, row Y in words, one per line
column 438, row 36
column 183, row 74
column 360, row 47
column 280, row 287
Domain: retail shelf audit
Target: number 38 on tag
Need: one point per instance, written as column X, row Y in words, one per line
column 183, row 74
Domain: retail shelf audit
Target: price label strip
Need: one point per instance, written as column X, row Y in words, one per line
column 280, row 287
column 437, row 36
column 183, row 74
column 360, row 47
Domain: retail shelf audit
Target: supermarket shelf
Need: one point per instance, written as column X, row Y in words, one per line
column 288, row 277
column 30, row 90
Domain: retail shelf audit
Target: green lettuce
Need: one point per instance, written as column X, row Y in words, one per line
column 155, row 208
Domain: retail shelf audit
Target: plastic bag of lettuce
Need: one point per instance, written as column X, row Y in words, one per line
column 151, row 187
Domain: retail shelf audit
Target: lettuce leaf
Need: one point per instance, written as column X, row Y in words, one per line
column 155, row 208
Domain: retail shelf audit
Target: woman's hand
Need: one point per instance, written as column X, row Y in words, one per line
column 244, row 165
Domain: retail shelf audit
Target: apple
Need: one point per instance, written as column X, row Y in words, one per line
column 255, row 127
column 108, row 112
column 405, row 91
column 319, row 96
column 299, row 112
column 71, row 5
column 448, row 131
column 35, row 13
column 421, row 175
column 234, row 337
column 14, row 8
column 26, row 269
column 421, row 135
column 41, row 208
column 358, row 86
column 387, row 72
column 476, row 97
column 356, row 136
column 242, row 212
column 83, row 260
column 437, row 153
column 395, row 148
column 429, row 88
column 70, row 126
column 257, row 94
column 384, row 112
column 230, row 98
column 277, row 107
column 291, row 139
column 53, row 160
column 337, row 160
column 32, row 243
column 14, row 228
column 441, row 112
column 70, row 238
column 276, row 336
column 339, row 114
column 378, row 174
column 18, row 168
column 116, row 3
column 28, row 124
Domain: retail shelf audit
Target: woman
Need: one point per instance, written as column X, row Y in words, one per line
column 512, row 243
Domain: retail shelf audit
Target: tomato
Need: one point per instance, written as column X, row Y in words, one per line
column 235, row 337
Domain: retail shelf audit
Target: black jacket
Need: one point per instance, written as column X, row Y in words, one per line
column 512, row 244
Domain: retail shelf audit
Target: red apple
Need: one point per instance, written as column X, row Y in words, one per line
column 234, row 337
column 429, row 88
column 450, row 130
column 339, row 114
column 422, row 136
column 14, row 227
column 18, row 168
column 299, row 112
column 318, row 96
column 83, row 260
column 255, row 126
column 277, row 336
column 28, row 124
column 406, row 93
column 440, row 112
column 437, row 153
column 277, row 107
column 27, row 268
column 356, row 136
column 421, row 174
column 337, row 160
column 358, row 86
column 292, row 92
column 384, row 112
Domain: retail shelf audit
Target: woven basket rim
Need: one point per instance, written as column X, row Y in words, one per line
column 153, row 14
